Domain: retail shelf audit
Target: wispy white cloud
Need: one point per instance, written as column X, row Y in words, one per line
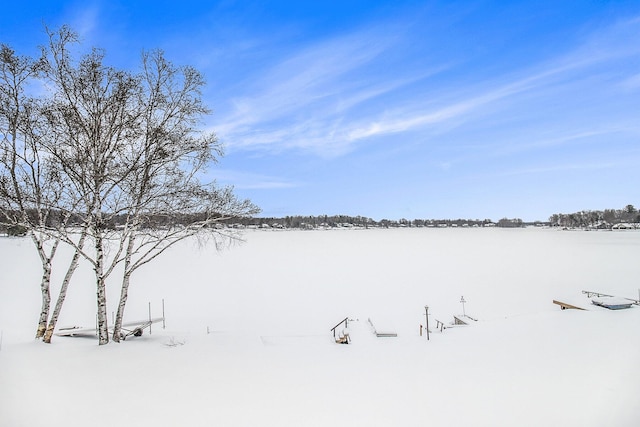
column 319, row 100
column 300, row 80
column 308, row 100
column 632, row 82
column 84, row 21
column 554, row 138
column 548, row 76
column 252, row 181
column 559, row 168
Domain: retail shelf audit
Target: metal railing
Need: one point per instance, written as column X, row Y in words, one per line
column 346, row 325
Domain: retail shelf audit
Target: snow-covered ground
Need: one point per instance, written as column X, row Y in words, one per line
column 252, row 346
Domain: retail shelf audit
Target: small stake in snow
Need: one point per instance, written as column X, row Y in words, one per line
column 426, row 315
column 463, row 301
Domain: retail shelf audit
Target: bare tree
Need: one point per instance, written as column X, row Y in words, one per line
column 130, row 151
column 171, row 153
column 25, row 188
column 32, row 195
column 108, row 157
column 91, row 116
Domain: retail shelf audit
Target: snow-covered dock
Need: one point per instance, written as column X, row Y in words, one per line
column 612, row 303
column 385, row 332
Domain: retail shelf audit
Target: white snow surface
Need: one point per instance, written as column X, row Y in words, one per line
column 248, row 343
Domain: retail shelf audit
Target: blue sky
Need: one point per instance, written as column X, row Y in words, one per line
column 404, row 109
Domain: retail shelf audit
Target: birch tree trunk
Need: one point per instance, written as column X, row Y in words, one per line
column 46, row 299
column 63, row 290
column 124, row 292
column 101, row 291
column 45, row 284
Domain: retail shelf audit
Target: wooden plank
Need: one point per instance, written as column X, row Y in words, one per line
column 564, row 305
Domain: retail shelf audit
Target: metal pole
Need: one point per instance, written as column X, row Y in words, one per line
column 426, row 315
column 150, row 318
column 162, row 313
column 463, row 301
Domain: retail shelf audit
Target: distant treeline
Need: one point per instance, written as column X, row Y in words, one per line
column 335, row 221
column 13, row 224
column 628, row 217
column 113, row 222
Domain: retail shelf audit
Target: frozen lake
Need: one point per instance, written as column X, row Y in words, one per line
column 255, row 318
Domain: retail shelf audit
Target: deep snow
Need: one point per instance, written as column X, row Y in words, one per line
column 252, row 347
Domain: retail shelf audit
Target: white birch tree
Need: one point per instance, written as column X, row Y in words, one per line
column 26, row 187
column 91, row 116
column 171, row 154
column 124, row 158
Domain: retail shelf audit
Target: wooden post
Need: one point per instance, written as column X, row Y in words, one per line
column 426, row 315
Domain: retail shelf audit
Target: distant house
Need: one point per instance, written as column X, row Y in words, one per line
column 623, row 226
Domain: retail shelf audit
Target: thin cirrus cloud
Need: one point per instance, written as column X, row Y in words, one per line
column 318, row 101
column 559, row 168
column 301, row 80
column 553, row 138
column 307, row 100
column 252, row 181
column 541, row 81
column 632, row 82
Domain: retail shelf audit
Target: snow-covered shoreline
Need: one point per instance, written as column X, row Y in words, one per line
column 247, row 340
